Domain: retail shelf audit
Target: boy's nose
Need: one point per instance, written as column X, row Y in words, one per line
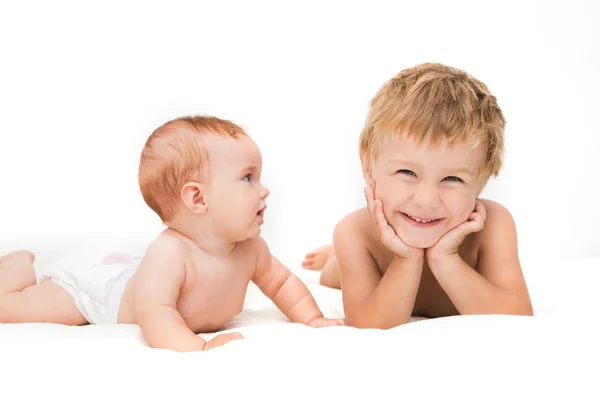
column 426, row 196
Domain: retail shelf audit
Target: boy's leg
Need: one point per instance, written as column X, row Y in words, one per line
column 330, row 276
column 316, row 259
column 46, row 302
column 16, row 271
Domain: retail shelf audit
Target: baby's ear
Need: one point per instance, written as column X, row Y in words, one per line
column 192, row 195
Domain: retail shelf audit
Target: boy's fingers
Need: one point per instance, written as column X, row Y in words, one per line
column 369, row 196
column 379, row 218
column 482, row 211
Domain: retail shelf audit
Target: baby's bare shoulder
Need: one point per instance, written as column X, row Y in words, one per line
column 251, row 252
column 166, row 252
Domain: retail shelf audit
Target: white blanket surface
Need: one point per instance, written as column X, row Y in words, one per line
column 554, row 354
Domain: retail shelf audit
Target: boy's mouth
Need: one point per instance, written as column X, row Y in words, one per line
column 423, row 221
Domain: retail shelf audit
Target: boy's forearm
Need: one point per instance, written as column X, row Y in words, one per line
column 295, row 300
column 164, row 328
column 392, row 302
column 471, row 293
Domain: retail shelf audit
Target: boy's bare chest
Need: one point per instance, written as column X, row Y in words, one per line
column 431, row 300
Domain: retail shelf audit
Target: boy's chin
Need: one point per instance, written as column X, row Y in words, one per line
column 417, row 242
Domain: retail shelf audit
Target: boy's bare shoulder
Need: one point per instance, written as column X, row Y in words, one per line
column 356, row 229
column 355, row 223
column 498, row 219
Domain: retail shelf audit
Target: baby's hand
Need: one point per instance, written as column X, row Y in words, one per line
column 449, row 243
column 222, row 339
column 320, row 322
column 386, row 233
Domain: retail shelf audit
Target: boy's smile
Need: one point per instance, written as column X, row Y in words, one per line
column 423, row 222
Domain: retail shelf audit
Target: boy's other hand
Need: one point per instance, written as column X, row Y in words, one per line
column 449, row 243
column 386, row 233
column 320, row 322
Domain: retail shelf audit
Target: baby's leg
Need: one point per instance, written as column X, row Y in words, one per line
column 21, row 300
column 46, row 302
column 330, row 276
column 16, row 271
column 317, row 259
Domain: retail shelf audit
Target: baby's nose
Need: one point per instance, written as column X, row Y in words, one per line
column 265, row 192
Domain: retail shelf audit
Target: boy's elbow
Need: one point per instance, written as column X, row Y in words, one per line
column 527, row 309
column 522, row 307
column 366, row 320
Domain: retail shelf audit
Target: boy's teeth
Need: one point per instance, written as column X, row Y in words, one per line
column 420, row 220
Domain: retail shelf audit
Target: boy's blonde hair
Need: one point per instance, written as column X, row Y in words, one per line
column 174, row 155
column 434, row 101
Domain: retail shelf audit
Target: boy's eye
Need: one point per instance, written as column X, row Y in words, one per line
column 406, row 171
column 248, row 177
column 453, row 179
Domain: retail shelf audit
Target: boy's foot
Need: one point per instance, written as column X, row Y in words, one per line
column 316, row 259
column 18, row 253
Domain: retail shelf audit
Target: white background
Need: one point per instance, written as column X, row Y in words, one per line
column 82, row 86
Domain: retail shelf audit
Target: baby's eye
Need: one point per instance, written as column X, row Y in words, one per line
column 406, row 171
column 248, row 177
column 453, row 179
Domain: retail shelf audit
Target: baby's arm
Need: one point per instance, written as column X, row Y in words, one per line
column 370, row 300
column 157, row 284
column 498, row 285
column 286, row 290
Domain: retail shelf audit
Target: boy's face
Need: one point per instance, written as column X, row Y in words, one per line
column 426, row 190
column 235, row 196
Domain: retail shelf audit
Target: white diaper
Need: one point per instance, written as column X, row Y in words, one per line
column 96, row 280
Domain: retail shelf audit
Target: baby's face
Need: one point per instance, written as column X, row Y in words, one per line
column 426, row 190
column 235, row 196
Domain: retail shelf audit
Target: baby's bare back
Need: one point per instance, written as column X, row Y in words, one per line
column 214, row 288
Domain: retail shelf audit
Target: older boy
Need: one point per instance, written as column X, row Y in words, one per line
column 425, row 245
column 201, row 175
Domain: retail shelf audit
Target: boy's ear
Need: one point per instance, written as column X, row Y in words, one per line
column 367, row 173
column 194, row 198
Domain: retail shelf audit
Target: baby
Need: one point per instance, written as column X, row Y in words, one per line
column 426, row 245
column 201, row 175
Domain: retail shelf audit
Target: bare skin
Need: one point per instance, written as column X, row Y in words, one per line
column 465, row 261
column 172, row 301
column 193, row 277
column 431, row 301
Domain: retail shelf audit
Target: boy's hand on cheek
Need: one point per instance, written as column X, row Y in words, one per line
column 386, row 233
column 449, row 243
